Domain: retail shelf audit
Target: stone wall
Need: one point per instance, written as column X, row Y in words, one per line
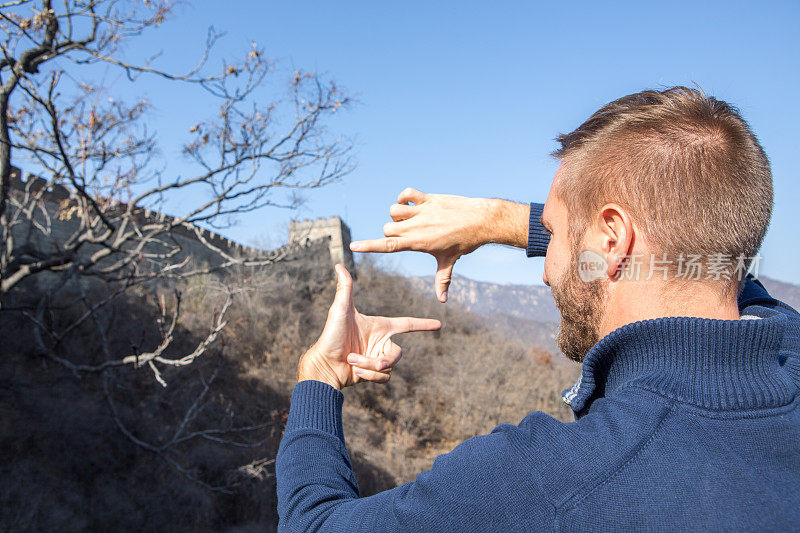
column 302, row 231
column 308, row 237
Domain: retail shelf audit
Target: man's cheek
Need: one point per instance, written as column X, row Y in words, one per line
column 558, row 264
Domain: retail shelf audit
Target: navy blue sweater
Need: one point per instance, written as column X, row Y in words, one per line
column 681, row 423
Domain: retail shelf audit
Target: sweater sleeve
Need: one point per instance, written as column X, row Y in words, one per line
column 538, row 237
column 317, row 490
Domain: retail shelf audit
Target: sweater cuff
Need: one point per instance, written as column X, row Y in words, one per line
column 316, row 405
column 538, row 238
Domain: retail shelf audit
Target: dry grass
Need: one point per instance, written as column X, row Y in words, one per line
column 66, row 465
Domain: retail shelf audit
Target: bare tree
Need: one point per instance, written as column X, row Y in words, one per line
column 91, row 227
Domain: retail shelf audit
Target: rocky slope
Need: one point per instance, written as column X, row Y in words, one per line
column 528, row 313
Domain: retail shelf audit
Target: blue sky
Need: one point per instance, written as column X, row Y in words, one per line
column 466, row 97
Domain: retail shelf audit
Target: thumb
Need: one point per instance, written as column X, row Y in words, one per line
column 444, row 272
column 344, row 288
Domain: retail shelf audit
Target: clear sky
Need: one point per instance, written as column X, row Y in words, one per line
column 466, row 97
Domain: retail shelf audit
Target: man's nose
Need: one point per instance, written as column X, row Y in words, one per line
column 544, row 278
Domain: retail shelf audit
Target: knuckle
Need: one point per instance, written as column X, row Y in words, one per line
column 391, row 244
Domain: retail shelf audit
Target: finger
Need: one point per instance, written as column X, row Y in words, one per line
column 400, row 212
column 344, row 288
column 394, row 229
column 386, row 361
column 392, row 353
column 371, row 375
column 410, row 195
column 444, row 274
column 407, row 324
column 382, row 246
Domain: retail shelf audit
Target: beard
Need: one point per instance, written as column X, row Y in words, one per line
column 581, row 305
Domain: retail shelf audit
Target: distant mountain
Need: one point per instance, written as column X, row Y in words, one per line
column 534, row 302
column 786, row 292
column 529, row 313
column 525, row 313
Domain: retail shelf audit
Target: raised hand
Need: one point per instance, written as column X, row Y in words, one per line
column 442, row 225
column 355, row 347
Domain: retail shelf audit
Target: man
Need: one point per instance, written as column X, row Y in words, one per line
column 687, row 408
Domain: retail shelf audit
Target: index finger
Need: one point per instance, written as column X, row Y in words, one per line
column 382, row 246
column 406, row 324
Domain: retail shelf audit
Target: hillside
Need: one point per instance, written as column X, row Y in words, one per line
column 526, row 301
column 528, row 313
column 786, row 292
column 535, row 302
column 67, row 465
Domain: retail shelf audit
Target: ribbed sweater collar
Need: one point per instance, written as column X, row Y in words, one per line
column 710, row 363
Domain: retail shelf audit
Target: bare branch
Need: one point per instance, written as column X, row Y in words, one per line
column 92, row 219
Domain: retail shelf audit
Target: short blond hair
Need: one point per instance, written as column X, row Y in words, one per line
column 686, row 165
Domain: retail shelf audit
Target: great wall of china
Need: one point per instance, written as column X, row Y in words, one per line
column 305, row 236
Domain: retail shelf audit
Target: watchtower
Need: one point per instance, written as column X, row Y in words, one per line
column 333, row 228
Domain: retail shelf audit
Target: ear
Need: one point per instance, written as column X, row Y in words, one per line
column 614, row 235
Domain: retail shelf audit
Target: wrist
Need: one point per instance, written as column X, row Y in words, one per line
column 484, row 224
column 310, row 367
column 508, row 223
column 332, row 383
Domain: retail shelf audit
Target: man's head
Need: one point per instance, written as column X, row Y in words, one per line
column 675, row 176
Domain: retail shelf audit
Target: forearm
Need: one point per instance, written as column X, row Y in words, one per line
column 317, row 490
column 313, row 466
column 316, row 487
column 517, row 225
column 507, row 223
